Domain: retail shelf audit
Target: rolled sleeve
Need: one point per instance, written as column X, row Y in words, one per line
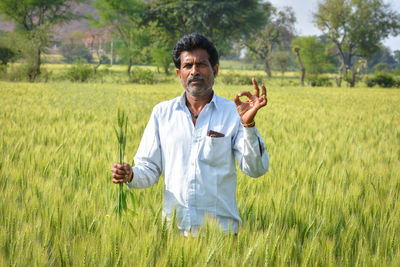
column 250, row 152
column 148, row 160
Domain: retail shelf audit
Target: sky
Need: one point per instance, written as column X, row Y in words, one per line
column 305, row 26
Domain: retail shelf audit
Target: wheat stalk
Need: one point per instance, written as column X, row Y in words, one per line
column 121, row 132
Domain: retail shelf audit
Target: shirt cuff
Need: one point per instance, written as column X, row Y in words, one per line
column 252, row 136
column 250, row 133
column 131, row 184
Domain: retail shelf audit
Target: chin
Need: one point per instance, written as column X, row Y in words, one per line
column 198, row 91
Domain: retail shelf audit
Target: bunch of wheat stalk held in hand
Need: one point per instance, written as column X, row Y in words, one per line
column 121, row 132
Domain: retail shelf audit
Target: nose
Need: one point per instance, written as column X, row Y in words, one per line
column 195, row 70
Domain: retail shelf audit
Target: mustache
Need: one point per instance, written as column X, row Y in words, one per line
column 196, row 77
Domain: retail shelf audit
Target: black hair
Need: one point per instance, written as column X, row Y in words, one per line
column 191, row 42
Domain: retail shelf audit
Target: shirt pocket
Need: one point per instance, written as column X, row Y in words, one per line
column 215, row 151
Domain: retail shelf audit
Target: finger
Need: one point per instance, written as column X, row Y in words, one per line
column 119, row 176
column 264, row 90
column 127, row 167
column 116, row 165
column 245, row 93
column 262, row 101
column 115, row 181
column 118, row 171
column 237, row 101
column 256, row 89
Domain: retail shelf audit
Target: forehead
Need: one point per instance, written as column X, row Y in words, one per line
column 194, row 55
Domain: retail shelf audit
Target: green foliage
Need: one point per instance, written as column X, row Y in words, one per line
column 142, row 76
column 79, row 72
column 34, row 21
column 313, row 54
column 381, row 67
column 230, row 20
column 278, row 30
column 162, row 58
column 75, row 52
column 329, row 199
column 384, row 56
column 6, row 55
column 396, row 55
column 382, row 79
column 126, row 20
column 282, row 60
column 320, row 81
column 356, row 27
column 234, row 78
column 121, row 132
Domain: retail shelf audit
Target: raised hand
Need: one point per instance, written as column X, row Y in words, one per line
column 248, row 109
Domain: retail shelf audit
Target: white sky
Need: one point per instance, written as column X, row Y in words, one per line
column 305, row 26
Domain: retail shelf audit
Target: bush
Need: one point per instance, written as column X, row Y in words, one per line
column 381, row 67
column 320, row 81
column 232, row 78
column 6, row 55
column 370, row 82
column 142, row 76
column 17, row 73
column 79, row 72
column 382, row 79
column 74, row 52
column 397, row 83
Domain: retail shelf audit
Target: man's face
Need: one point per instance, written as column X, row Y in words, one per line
column 196, row 73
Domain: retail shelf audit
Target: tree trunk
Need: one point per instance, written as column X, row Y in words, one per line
column 96, row 67
column 34, row 69
column 112, row 51
column 352, row 81
column 302, row 69
column 166, row 71
column 129, row 67
column 341, row 71
column 267, row 69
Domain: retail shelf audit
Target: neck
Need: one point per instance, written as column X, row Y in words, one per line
column 197, row 103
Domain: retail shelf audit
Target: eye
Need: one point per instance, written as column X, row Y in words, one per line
column 187, row 66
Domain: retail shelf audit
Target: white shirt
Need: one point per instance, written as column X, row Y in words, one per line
column 199, row 170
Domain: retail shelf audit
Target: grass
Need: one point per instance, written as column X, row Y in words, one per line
column 330, row 197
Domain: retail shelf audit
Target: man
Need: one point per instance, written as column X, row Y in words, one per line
column 194, row 140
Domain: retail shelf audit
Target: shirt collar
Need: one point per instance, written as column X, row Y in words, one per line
column 181, row 103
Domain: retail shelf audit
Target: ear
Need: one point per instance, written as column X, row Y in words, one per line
column 178, row 72
column 215, row 70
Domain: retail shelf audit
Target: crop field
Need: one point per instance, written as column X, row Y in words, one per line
column 330, row 198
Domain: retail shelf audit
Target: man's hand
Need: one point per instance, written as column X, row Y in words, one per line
column 121, row 173
column 248, row 109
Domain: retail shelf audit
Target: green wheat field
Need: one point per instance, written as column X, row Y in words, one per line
column 330, row 198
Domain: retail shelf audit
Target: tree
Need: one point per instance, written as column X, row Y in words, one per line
column 356, row 27
column 161, row 48
column 34, row 20
column 277, row 31
column 282, row 60
column 125, row 18
column 221, row 21
column 73, row 49
column 296, row 50
column 6, row 55
column 313, row 54
column 8, row 51
column 97, row 38
column 396, row 55
column 384, row 56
